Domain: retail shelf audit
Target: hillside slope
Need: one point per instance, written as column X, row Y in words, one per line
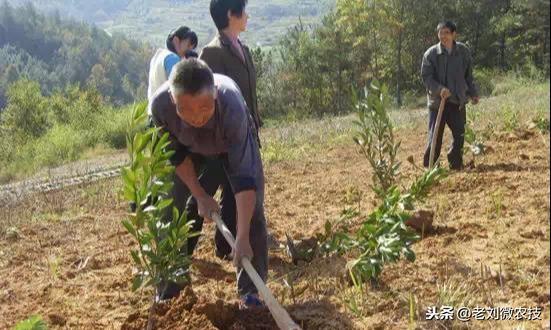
column 151, row 20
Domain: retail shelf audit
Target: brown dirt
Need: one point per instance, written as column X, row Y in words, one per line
column 70, row 261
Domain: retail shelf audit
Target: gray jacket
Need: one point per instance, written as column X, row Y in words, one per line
column 230, row 134
column 454, row 71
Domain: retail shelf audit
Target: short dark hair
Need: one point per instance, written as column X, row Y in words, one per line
column 183, row 32
column 446, row 24
column 219, row 11
column 191, row 76
column 191, row 53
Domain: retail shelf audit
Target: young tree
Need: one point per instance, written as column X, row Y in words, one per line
column 158, row 228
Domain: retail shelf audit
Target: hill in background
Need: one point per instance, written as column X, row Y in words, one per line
column 57, row 53
column 151, row 20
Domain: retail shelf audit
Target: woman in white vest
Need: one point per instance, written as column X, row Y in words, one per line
column 180, row 43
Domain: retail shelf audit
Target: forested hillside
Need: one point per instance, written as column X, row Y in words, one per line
column 56, row 53
column 151, row 20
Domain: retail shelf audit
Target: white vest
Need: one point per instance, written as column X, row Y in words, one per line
column 157, row 72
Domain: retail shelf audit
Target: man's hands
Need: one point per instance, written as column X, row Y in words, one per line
column 206, row 205
column 445, row 93
column 475, row 100
column 242, row 249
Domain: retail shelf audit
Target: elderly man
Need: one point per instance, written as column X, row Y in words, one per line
column 447, row 72
column 207, row 119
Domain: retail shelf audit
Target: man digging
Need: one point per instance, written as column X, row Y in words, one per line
column 206, row 118
column 447, row 73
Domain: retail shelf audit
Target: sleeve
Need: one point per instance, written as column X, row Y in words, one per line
column 472, row 89
column 180, row 150
column 169, row 62
column 428, row 72
column 243, row 153
column 213, row 58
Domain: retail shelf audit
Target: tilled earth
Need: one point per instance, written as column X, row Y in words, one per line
column 65, row 256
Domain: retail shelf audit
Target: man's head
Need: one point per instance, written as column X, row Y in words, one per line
column 181, row 40
column 447, row 32
column 229, row 14
column 193, row 92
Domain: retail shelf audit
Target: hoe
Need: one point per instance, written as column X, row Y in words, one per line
column 282, row 318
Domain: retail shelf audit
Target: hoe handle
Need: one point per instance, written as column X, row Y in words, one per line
column 435, row 132
column 282, row 318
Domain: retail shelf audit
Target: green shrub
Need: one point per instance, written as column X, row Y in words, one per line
column 62, row 143
column 111, row 127
column 484, row 78
column 26, row 114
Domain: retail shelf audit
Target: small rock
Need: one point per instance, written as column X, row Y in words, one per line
column 57, row 319
column 13, row 234
column 421, row 220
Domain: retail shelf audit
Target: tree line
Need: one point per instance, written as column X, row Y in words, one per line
column 317, row 69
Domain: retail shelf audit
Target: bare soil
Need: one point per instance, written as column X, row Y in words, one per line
column 65, row 256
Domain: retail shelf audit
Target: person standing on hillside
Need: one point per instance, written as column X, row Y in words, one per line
column 447, row 72
column 226, row 54
column 180, row 43
column 206, row 118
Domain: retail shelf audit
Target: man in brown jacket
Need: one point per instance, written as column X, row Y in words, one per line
column 227, row 55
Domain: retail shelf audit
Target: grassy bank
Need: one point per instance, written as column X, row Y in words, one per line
column 76, row 128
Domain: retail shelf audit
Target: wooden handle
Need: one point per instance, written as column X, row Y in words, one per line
column 282, row 318
column 435, row 132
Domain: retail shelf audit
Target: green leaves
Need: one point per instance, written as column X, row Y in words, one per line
column 161, row 239
column 375, row 137
column 34, row 322
column 383, row 236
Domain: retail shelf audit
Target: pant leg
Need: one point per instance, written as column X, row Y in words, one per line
column 184, row 202
column 456, row 120
column 433, row 114
column 209, row 179
column 258, row 240
column 229, row 216
column 181, row 201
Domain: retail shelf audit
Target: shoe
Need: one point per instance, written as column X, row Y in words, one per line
column 250, row 301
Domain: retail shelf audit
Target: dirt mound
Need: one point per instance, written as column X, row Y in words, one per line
column 189, row 312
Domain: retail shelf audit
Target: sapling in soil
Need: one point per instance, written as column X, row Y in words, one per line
column 383, row 236
column 375, row 136
column 160, row 231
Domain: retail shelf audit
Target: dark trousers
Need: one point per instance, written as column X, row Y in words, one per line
column 455, row 117
column 211, row 176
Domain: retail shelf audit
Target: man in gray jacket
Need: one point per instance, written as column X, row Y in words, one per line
column 207, row 118
column 447, row 73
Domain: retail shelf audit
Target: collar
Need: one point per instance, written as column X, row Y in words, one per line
column 224, row 38
column 440, row 49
